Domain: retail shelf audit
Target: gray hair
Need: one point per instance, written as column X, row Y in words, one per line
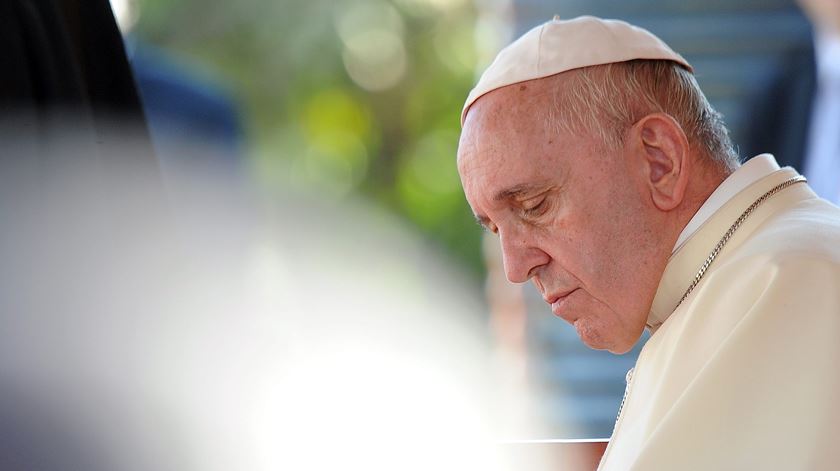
column 607, row 99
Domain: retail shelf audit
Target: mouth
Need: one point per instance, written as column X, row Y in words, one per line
column 558, row 302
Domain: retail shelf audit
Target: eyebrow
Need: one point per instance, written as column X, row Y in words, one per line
column 483, row 221
column 518, row 190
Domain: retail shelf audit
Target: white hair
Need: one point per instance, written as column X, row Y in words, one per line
column 608, row 99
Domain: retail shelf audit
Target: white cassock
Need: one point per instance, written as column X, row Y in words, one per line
column 744, row 374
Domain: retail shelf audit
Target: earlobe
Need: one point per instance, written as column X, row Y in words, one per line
column 665, row 158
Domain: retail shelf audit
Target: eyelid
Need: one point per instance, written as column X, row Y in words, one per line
column 536, row 209
column 536, row 195
column 537, row 199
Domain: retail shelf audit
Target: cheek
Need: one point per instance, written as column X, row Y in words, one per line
column 610, row 256
column 599, row 237
column 599, row 242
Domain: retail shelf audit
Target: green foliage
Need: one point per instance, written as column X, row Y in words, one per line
column 355, row 97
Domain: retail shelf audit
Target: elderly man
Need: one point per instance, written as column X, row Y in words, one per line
column 590, row 150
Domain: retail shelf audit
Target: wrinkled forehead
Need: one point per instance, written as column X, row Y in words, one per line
column 517, row 104
column 508, row 118
column 505, row 138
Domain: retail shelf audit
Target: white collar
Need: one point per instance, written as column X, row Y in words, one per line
column 750, row 172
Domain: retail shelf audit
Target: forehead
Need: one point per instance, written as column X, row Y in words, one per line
column 507, row 137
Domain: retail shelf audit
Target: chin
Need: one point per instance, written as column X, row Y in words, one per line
column 621, row 349
column 594, row 338
column 616, row 349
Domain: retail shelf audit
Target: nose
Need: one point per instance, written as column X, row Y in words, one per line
column 520, row 256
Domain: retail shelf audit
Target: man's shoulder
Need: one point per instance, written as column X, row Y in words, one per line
column 793, row 256
column 807, row 232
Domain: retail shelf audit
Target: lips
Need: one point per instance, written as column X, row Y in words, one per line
column 558, row 304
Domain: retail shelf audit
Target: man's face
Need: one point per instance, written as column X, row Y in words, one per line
column 570, row 215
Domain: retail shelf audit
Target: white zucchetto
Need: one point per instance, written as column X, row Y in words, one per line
column 560, row 45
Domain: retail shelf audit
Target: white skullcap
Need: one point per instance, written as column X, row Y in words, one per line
column 561, row 45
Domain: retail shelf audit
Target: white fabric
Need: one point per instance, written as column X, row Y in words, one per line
column 743, row 374
column 822, row 163
column 560, row 45
column 750, row 172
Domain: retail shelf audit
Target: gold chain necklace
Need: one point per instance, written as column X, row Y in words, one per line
column 734, row 227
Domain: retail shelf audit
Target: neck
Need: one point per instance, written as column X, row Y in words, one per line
column 701, row 185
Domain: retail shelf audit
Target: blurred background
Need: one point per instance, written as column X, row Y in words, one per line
column 341, row 120
column 362, row 98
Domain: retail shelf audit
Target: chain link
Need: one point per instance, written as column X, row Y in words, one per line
column 734, row 227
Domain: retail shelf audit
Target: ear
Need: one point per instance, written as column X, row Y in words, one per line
column 664, row 165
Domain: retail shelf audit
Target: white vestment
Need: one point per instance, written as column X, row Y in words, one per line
column 745, row 373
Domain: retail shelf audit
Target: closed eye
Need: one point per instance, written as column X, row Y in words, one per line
column 535, row 208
